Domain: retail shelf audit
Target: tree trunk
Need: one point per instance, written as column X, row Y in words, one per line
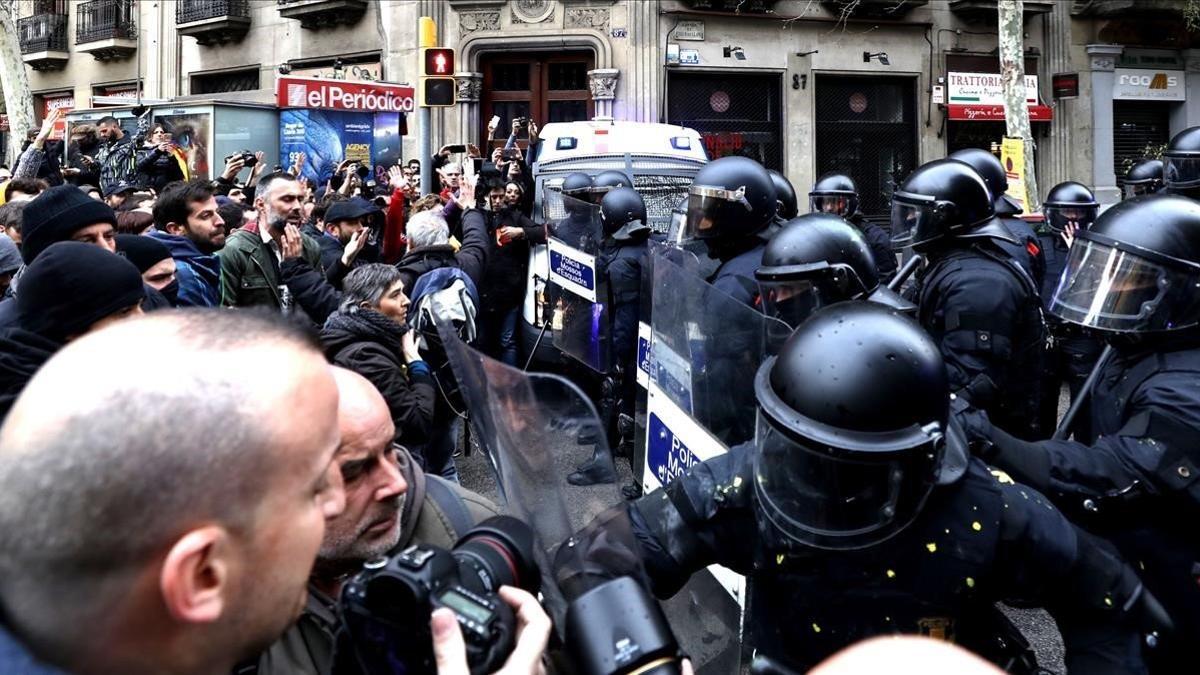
column 1012, row 77
column 13, row 79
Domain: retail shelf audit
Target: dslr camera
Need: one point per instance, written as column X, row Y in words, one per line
column 386, row 607
column 248, row 158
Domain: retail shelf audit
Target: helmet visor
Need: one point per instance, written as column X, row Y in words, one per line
column 1110, row 289
column 706, row 205
column 1181, row 172
column 912, row 219
column 839, row 205
column 1077, row 216
column 792, row 301
column 817, row 499
column 1132, row 190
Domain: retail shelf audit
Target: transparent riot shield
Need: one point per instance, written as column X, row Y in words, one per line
column 707, row 347
column 578, row 287
column 535, row 428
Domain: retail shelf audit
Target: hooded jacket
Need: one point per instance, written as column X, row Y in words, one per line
column 368, row 343
column 199, row 275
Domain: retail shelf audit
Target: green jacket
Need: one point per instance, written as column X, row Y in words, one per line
column 307, row 647
column 249, row 276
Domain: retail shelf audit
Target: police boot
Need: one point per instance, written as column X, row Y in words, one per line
column 595, row 471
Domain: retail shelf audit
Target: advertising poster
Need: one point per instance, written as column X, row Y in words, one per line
column 191, row 131
column 328, row 137
column 388, row 136
column 1012, row 156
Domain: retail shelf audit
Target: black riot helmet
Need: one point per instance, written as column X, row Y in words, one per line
column 1181, row 163
column 576, row 185
column 623, row 214
column 730, row 198
column 944, row 199
column 815, row 260
column 834, row 193
column 785, row 194
column 1136, row 270
column 1145, row 177
column 853, row 431
column 606, row 181
column 1070, row 203
column 994, row 177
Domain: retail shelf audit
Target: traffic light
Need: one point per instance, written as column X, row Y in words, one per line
column 437, row 87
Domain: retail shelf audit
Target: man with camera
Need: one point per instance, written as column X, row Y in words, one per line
column 390, row 504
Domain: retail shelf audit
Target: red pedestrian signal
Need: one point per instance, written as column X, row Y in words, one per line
column 439, row 62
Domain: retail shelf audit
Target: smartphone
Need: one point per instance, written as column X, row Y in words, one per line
column 495, row 121
column 511, row 153
column 456, row 149
column 477, row 165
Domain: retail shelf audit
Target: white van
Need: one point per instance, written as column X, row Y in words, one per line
column 662, row 160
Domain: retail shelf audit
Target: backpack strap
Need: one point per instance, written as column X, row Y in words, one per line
column 450, row 504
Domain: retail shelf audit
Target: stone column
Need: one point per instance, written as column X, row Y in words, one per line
column 1102, row 59
column 641, row 101
column 1191, row 84
column 1056, row 151
column 603, row 84
column 470, row 85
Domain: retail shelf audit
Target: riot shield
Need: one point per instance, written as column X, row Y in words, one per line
column 706, row 348
column 578, row 285
column 534, row 428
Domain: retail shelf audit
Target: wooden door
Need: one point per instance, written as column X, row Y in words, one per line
column 546, row 87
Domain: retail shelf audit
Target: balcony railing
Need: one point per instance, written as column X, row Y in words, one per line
column 188, row 11
column 43, row 33
column 98, row 20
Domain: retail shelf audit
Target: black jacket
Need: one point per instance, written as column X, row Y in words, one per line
column 471, row 256
column 368, row 343
column 156, row 169
column 507, row 266
column 22, row 354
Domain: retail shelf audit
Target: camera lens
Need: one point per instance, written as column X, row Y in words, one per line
column 500, row 549
column 248, row 158
column 363, row 171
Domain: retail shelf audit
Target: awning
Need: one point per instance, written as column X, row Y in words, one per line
column 982, row 112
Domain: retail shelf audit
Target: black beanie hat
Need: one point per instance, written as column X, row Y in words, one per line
column 56, row 214
column 142, row 251
column 73, row 285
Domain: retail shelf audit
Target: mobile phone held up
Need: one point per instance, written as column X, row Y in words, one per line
column 456, row 149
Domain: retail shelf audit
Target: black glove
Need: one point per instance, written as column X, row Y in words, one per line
column 975, row 424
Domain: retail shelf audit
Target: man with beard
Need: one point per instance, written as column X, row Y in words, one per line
column 187, row 223
column 390, row 504
column 250, row 261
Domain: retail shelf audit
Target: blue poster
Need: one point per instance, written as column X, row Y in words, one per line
column 327, row 137
column 386, row 150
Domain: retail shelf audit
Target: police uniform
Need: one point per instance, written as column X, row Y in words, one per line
column 881, row 246
column 1137, row 483
column 857, row 512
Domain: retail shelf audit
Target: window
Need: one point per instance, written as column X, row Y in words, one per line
column 217, row 83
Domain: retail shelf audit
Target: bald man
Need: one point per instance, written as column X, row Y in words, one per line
column 390, row 505
column 160, row 510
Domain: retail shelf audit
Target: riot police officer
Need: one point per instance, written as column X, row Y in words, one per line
column 1025, row 248
column 836, row 193
column 785, row 194
column 730, row 204
column 607, row 181
column 816, row 260
column 1133, row 277
column 622, row 258
column 1181, row 164
column 856, row 512
column 1144, row 177
column 1069, row 207
column 578, row 228
column 981, row 306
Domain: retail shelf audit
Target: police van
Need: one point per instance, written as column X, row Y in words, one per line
column 662, row 160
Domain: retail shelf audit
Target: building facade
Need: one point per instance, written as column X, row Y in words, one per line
column 873, row 87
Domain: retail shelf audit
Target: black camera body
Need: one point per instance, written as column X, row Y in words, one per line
column 387, row 606
column 247, row 157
